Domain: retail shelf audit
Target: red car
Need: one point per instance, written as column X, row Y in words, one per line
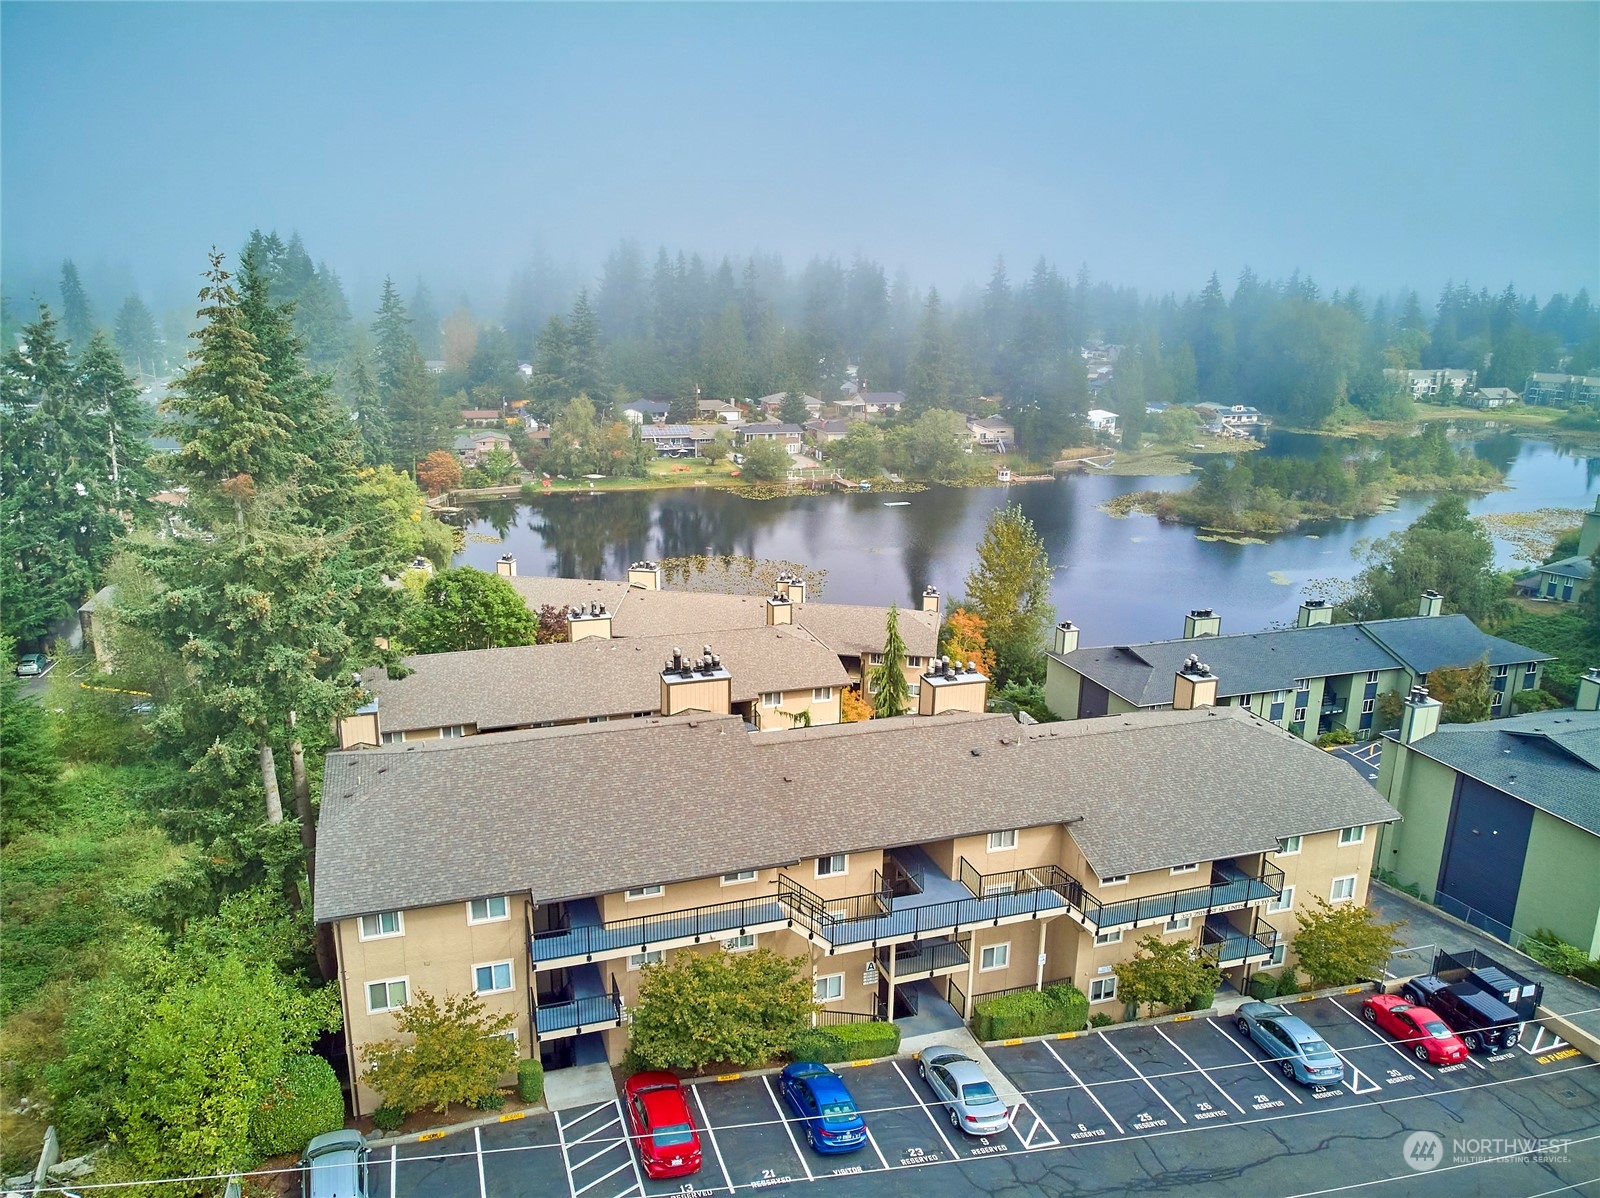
column 1425, row 1032
column 661, row 1125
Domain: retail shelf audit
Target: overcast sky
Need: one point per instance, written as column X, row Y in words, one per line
column 1376, row 144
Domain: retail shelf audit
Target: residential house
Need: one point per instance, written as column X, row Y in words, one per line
column 677, row 440
column 850, row 406
column 790, row 436
column 882, row 401
column 822, row 432
column 644, row 411
column 1434, row 382
column 1502, row 819
column 474, row 447
column 1491, row 397
column 1562, row 390
column 1569, row 579
column 480, row 417
column 771, row 403
column 719, row 410
column 1237, row 417
column 1101, row 421
column 993, row 433
column 926, row 861
column 1310, row 679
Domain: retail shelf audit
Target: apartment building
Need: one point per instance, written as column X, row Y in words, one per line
column 924, row 861
column 1434, row 382
column 1563, row 390
column 1309, row 679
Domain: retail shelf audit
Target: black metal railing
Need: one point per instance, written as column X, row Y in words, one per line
column 826, row 1017
column 984, row 994
column 954, row 996
column 864, row 918
column 1227, row 945
column 1017, row 881
column 580, row 1014
column 923, row 958
column 636, row 933
column 1231, row 886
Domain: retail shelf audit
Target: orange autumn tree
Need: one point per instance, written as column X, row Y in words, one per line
column 963, row 638
column 852, row 707
column 440, row 472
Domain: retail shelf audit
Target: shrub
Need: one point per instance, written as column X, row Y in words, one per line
column 388, row 1118
column 492, row 1101
column 1289, row 983
column 1100, row 1019
column 817, row 1044
column 456, row 1053
column 303, row 1101
column 1030, row 1013
column 862, row 1040
column 530, row 1080
column 1554, row 953
column 1202, row 1001
column 1337, row 736
column 1263, row 987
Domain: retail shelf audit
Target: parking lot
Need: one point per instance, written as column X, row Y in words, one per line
column 1188, row 1103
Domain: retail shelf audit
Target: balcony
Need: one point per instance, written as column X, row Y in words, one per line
column 590, row 1009
column 914, row 959
column 1226, row 945
column 1231, row 888
column 583, row 936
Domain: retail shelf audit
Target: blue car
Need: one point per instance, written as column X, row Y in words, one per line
column 817, row 1095
column 1303, row 1055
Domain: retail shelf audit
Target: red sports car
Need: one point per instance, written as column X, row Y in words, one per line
column 661, row 1125
column 1430, row 1040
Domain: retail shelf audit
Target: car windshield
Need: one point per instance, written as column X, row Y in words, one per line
column 1437, row 1030
column 978, row 1094
column 1315, row 1048
column 671, row 1134
column 839, row 1110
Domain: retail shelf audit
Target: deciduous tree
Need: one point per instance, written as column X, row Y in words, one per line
column 1341, row 943
column 1445, row 551
column 1168, row 973
column 766, row 461
column 1466, row 694
column 963, row 637
column 456, row 1053
column 705, row 1007
column 468, row 609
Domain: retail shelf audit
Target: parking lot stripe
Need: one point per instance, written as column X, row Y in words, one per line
column 1198, row 1066
column 882, row 1160
column 1256, row 1061
column 705, row 1120
column 1033, row 1132
column 394, row 1159
column 1410, row 1060
column 1084, row 1088
column 926, row 1111
column 1144, row 1079
column 784, row 1119
column 601, row 1178
column 589, row 1135
column 477, row 1146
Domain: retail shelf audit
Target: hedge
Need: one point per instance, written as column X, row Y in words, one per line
column 817, row 1044
column 1288, row 983
column 1030, row 1013
column 846, row 1042
column 530, row 1080
column 303, row 1101
column 1263, row 987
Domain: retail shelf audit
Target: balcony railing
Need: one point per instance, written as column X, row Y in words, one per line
column 827, row 1017
column 593, row 1013
column 637, row 933
column 1230, row 887
column 981, row 995
column 1228, row 946
column 915, row 959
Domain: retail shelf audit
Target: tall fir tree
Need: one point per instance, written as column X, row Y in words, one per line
column 891, row 693
column 137, row 337
column 928, row 378
column 586, row 372
column 77, row 321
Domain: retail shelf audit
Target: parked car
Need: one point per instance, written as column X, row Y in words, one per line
column 1483, row 1022
column 957, row 1081
column 335, row 1166
column 1301, row 1053
column 817, row 1094
column 1418, row 1027
column 659, row 1119
column 31, row 665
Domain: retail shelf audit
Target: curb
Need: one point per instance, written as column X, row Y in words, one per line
column 439, row 1133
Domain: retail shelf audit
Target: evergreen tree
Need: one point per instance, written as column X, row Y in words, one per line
column 425, row 322
column 928, row 378
column 551, row 385
column 793, row 409
column 370, row 417
column 393, row 346
column 891, row 693
column 115, row 400
column 1009, row 587
column 77, row 321
column 585, row 361
column 137, row 337
column 417, row 416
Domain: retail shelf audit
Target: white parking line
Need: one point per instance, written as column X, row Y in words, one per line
column 954, row 1155
column 589, row 1135
column 1033, row 1132
column 1539, row 1046
column 1198, row 1066
column 1084, row 1088
column 477, row 1146
column 601, row 1178
column 1144, row 1079
column 882, row 1160
column 394, row 1158
column 705, row 1121
column 1256, row 1061
column 1384, row 1040
column 784, row 1119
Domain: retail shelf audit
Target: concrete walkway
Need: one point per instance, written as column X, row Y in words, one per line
column 579, row 1085
column 961, row 1040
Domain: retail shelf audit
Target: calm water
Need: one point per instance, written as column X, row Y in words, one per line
column 1120, row 580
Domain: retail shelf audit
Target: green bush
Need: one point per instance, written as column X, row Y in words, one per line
column 1030, row 1013
column 1263, row 987
column 1554, row 953
column 388, row 1118
column 303, row 1101
column 1202, row 1001
column 1100, row 1019
column 530, row 1080
column 492, row 1101
column 817, row 1044
column 1289, row 983
column 863, row 1040
column 1337, row 736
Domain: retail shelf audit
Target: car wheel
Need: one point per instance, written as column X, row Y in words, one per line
column 1369, row 1014
column 1288, row 1069
column 1421, row 1053
column 922, row 1070
column 1472, row 1042
column 955, row 1120
column 811, row 1135
column 1244, row 1026
column 1511, row 1039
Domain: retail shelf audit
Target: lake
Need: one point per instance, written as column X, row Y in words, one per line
column 1120, row 580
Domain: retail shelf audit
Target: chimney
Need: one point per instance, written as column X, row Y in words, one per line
column 1420, row 717
column 646, row 576
column 506, row 567
column 1066, row 637
column 1589, row 535
column 1314, row 612
column 586, row 622
column 423, row 564
column 1588, row 690
column 930, row 599
column 1432, row 603
column 701, row 685
column 1202, row 621
column 1195, row 686
column 779, row 610
column 792, row 587
column 950, row 686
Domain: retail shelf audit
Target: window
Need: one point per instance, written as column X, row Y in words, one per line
column 394, row 738
column 875, row 659
column 821, row 694
column 1344, row 889
column 599, row 719
column 1288, row 846
column 1179, row 923
column 1000, row 841
column 1103, row 989
column 487, row 910
column 1302, row 684
column 1367, row 705
column 643, row 892
column 828, row 867
column 1299, row 715
column 995, row 956
column 1246, row 700
column 1284, row 901
column 1528, row 677
column 744, row 875
column 1499, row 696
column 387, row 995
column 1192, row 867
column 385, row 923
column 772, row 698
column 452, row 732
column 743, row 942
column 914, row 689
column 915, row 662
column 1278, row 953
column 1372, row 675
column 1113, row 879
column 1108, row 937
column 872, row 684
column 828, row 988
column 993, row 888
column 1501, row 671
column 1352, row 835
column 491, row 979
column 640, row 960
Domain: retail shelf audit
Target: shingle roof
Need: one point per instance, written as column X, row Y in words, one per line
column 591, row 809
column 532, row 684
column 1579, row 568
column 1548, row 759
column 1249, row 663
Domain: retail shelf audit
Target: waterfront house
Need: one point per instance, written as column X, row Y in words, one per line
column 1569, row 579
column 993, row 433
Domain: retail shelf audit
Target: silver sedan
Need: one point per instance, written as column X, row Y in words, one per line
column 969, row 1096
